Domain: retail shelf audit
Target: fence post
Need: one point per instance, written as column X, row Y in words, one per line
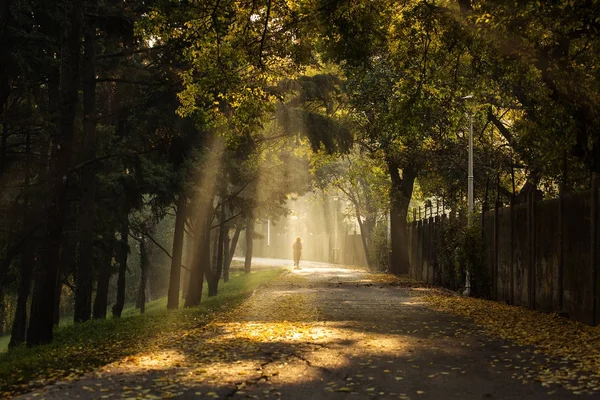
column 531, row 245
column 561, row 238
column 512, row 251
column 496, row 228
column 593, row 246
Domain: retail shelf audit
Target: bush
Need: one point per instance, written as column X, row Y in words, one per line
column 379, row 248
column 461, row 249
column 470, row 256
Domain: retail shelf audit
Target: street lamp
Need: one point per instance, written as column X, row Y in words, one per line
column 467, row 291
column 470, row 172
column 335, row 229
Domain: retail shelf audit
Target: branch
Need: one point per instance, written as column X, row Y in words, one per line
column 128, row 81
column 264, row 34
column 128, row 53
column 501, row 127
column 226, row 221
column 98, row 159
column 159, row 246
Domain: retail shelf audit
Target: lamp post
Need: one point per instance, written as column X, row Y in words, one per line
column 467, row 291
column 470, row 172
column 335, row 229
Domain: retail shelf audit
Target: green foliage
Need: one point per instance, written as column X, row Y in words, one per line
column 460, row 249
column 470, row 256
column 379, row 249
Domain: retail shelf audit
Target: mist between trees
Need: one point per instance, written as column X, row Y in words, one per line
column 141, row 143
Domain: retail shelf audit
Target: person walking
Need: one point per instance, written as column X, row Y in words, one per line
column 297, row 247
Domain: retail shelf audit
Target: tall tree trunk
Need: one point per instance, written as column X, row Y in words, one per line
column 57, row 299
column 4, row 78
column 200, row 262
column 366, row 230
column 249, row 243
column 400, row 195
column 141, row 299
column 84, row 271
column 122, row 252
column 232, row 247
column 104, row 272
column 3, row 309
column 190, row 245
column 213, row 284
column 226, row 263
column 3, row 146
column 42, row 306
column 19, row 326
column 177, row 253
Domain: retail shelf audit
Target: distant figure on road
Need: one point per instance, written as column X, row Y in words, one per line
column 297, row 247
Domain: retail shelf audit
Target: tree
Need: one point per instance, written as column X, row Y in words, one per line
column 363, row 181
column 42, row 310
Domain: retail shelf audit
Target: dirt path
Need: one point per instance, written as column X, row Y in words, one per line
column 324, row 333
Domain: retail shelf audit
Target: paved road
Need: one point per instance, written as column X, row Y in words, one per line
column 325, row 333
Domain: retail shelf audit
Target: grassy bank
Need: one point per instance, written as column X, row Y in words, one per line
column 80, row 348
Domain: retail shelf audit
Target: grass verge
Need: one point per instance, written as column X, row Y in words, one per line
column 80, row 348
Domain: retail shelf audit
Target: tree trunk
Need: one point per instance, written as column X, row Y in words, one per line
column 20, row 322
column 57, row 299
column 42, row 307
column 3, row 309
column 123, row 252
column 400, row 195
column 226, row 264
column 3, row 147
column 213, row 283
column 366, row 229
column 19, row 326
column 249, row 243
column 104, row 272
column 177, row 254
column 84, row 271
column 234, row 242
column 141, row 299
column 4, row 78
column 190, row 248
column 200, row 263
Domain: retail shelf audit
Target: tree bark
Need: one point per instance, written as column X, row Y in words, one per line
column 84, row 272
column 213, row 283
column 366, row 230
column 122, row 253
column 226, row 264
column 141, row 298
column 104, row 272
column 200, row 263
column 19, row 326
column 234, row 242
column 400, row 195
column 42, row 308
column 4, row 78
column 249, row 243
column 177, row 253
column 57, row 299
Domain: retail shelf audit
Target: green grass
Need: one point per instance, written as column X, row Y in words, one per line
column 78, row 348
